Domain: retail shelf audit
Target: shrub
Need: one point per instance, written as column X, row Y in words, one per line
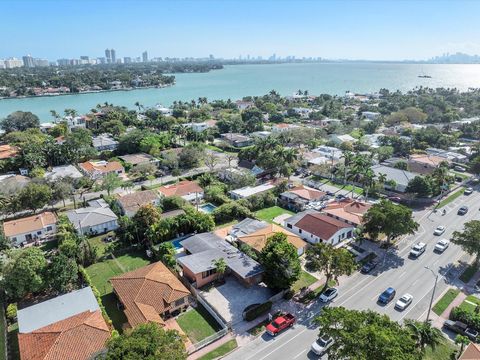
column 11, row 312
column 465, row 316
column 86, row 278
column 252, row 314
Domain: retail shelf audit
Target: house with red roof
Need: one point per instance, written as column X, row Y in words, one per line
column 315, row 227
column 186, row 189
column 299, row 197
column 348, row 210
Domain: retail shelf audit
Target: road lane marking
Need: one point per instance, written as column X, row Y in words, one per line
column 280, row 346
column 296, row 356
column 402, row 274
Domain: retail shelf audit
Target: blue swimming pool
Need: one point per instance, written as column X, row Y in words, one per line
column 207, row 208
column 177, row 243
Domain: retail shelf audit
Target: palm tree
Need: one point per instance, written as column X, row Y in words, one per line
column 347, row 160
column 368, row 180
column 220, row 266
column 424, row 333
column 462, row 341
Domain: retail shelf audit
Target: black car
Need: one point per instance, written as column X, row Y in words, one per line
column 369, row 266
column 463, row 210
column 461, row 328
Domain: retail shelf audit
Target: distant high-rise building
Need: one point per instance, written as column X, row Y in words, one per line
column 145, row 56
column 13, row 62
column 108, row 56
column 101, row 60
column 113, row 55
column 28, row 61
column 40, row 62
column 63, row 62
column 127, row 60
column 211, row 57
column 84, row 57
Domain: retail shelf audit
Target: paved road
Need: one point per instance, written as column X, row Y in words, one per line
column 361, row 291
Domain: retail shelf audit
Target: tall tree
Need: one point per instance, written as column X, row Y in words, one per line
column 469, row 238
column 110, row 182
column 34, row 196
column 62, row 273
column 20, row 121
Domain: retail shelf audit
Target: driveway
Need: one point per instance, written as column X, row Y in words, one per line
column 231, row 298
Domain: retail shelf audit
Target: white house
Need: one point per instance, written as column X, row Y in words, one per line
column 248, row 191
column 97, row 218
column 329, row 152
column 40, row 227
column 338, row 139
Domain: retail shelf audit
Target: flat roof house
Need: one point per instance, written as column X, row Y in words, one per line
column 248, row 191
column 315, row 227
column 425, row 163
column 28, row 230
column 131, row 203
column 98, row 169
column 104, row 142
column 299, row 197
column 97, row 218
column 150, row 293
column 237, row 140
column 338, row 139
column 203, row 249
column 400, row 177
column 70, row 326
column 64, row 171
column 139, row 159
column 186, row 189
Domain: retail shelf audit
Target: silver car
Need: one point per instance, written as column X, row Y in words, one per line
column 321, row 345
column 404, row 302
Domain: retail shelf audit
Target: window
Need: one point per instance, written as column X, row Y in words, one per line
column 289, row 226
column 39, row 233
column 179, row 302
column 208, row 273
column 299, row 231
column 49, row 228
column 14, row 239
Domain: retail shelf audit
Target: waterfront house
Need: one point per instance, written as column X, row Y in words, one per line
column 186, row 189
column 244, row 105
column 131, row 203
column 150, row 294
column 69, row 326
column 99, row 169
column 31, row 229
column 315, row 227
column 97, row 218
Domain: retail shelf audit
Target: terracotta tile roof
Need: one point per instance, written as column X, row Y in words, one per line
column 258, row 239
column 431, row 160
column 182, row 188
column 29, row 224
column 8, row 151
column 134, row 201
column 75, row 338
column 321, row 225
column 349, row 210
column 148, row 292
column 472, row 352
column 101, row 166
column 307, row 193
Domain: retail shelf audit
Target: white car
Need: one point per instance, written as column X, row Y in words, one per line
column 441, row 245
column 418, row 249
column 439, row 230
column 403, row 302
column 321, row 345
column 328, row 295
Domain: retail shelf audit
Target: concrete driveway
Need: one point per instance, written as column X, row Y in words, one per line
column 231, row 298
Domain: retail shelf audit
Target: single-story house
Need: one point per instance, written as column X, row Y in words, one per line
column 425, row 163
column 69, row 326
column 12, row 184
column 64, row 171
column 8, row 152
column 255, row 170
column 98, row 169
column 244, row 105
column 279, row 128
column 201, row 126
column 348, row 210
column 245, row 227
column 97, row 218
column 150, row 294
column 139, row 159
column 237, row 140
column 204, row 249
column 447, row 154
column 104, row 142
column 186, row 189
column 131, row 203
column 400, row 177
column 472, row 352
column 315, row 227
column 300, row 196
column 248, row 191
column 370, row 115
column 28, row 230
column 339, row 139
column 329, row 152
column 260, row 134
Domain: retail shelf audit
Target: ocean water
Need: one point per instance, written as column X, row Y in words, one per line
column 236, row 81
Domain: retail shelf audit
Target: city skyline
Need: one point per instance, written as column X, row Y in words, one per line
column 367, row 30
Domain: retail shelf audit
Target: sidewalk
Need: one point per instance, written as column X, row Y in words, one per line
column 438, row 322
column 210, row 347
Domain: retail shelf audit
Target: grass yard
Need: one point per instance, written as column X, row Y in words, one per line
column 220, row 351
column 468, row 273
column 305, row 280
column 270, row 213
column 197, row 324
column 99, row 243
column 357, row 190
column 445, row 300
column 451, row 198
column 443, row 351
column 469, row 303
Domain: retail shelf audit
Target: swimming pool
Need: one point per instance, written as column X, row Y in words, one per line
column 207, row 208
column 177, row 243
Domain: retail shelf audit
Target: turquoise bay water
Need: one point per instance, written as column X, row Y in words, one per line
column 237, row 81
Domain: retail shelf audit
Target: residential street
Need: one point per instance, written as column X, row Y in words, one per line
column 396, row 270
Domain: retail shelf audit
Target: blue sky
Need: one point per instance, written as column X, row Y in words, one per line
column 354, row 29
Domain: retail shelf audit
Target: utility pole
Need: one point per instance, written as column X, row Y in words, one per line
column 433, row 293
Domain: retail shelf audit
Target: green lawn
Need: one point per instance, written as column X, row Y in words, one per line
column 268, row 214
column 451, row 198
column 445, row 300
column 305, row 280
column 197, row 324
column 443, row 351
column 467, row 303
column 99, row 243
column 220, row 351
column 357, row 190
column 468, row 273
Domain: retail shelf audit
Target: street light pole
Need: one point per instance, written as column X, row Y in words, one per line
column 433, row 293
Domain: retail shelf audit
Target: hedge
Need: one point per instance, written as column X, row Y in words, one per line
column 470, row 319
column 261, row 309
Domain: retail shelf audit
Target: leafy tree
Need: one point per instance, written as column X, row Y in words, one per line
column 280, row 261
column 424, row 333
column 475, row 165
column 11, row 312
column 366, row 335
column 62, row 273
column 145, row 217
column 173, row 203
column 166, row 254
column 86, row 254
column 462, row 341
column 20, row 121
column 34, row 196
column 420, row 186
column 69, row 247
column 390, row 219
column 333, row 262
column 110, row 182
column 191, row 155
column 24, row 273
column 469, row 238
column 146, row 342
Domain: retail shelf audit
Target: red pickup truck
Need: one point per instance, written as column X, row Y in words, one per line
column 280, row 323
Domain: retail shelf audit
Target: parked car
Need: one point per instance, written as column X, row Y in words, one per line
column 404, row 302
column 468, row 191
column 395, row 199
column 462, row 210
column 439, row 230
column 369, row 266
column 280, row 323
column 417, row 250
column 329, row 295
column 459, row 169
column 321, row 345
column 387, row 296
column 441, row 245
column 461, row 328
